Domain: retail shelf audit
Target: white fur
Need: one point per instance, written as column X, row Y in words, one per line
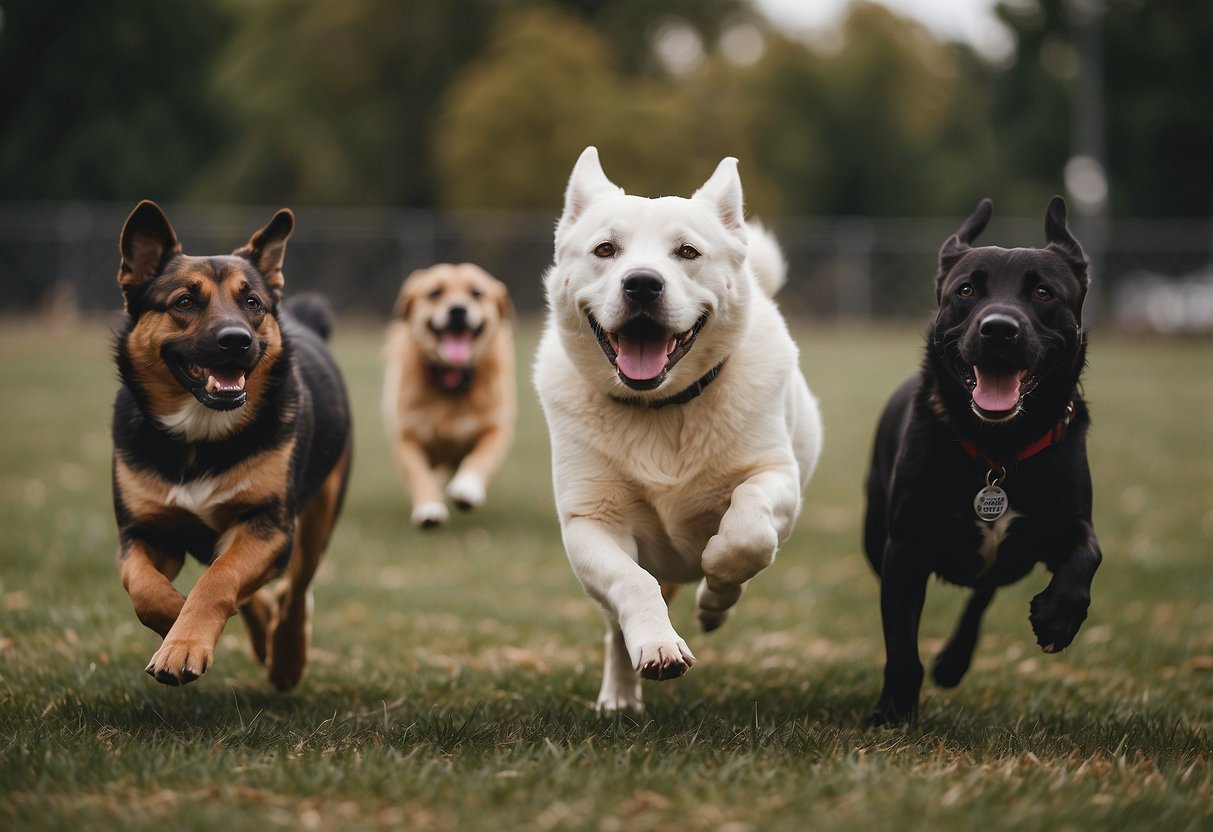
column 202, row 496
column 992, row 536
column 703, row 491
column 195, row 422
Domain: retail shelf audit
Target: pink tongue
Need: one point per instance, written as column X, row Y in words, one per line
column 642, row 358
column 996, row 392
column 228, row 379
column 455, row 348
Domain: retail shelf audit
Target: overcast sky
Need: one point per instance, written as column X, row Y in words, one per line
column 967, row 20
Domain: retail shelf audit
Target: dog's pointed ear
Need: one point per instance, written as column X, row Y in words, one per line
column 146, row 242
column 723, row 189
column 267, row 248
column 587, row 182
column 955, row 246
column 1061, row 241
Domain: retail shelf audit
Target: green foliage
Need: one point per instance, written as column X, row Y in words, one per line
column 335, row 100
column 484, row 104
column 107, row 99
column 453, row 671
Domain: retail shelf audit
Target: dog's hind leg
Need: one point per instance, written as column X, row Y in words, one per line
column 290, row 629
column 258, row 612
column 953, row 661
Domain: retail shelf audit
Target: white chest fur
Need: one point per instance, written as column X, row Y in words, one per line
column 203, row 497
column 992, row 536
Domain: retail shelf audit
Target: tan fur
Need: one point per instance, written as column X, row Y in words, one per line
column 242, row 504
column 432, row 431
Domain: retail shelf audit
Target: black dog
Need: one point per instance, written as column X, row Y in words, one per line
column 979, row 469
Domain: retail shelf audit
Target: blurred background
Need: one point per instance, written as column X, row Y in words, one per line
column 404, row 133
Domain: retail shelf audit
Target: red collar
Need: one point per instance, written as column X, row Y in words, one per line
column 1054, row 435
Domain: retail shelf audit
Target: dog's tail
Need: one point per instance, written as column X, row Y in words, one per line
column 313, row 311
column 766, row 258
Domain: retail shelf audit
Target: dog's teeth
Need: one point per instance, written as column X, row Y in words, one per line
column 211, row 384
column 240, row 383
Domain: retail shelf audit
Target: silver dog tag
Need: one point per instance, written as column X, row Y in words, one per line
column 990, row 503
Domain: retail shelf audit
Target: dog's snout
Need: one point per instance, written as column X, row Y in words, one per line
column 643, row 287
column 999, row 328
column 234, row 339
column 457, row 317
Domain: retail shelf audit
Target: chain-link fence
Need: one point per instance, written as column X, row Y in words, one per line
column 1153, row 274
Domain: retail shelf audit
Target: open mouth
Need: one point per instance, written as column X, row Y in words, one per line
column 219, row 388
column 642, row 351
column 997, row 390
column 455, row 344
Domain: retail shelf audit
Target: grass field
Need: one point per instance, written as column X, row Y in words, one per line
column 453, row 672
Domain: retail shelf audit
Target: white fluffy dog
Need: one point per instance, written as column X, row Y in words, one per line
column 682, row 428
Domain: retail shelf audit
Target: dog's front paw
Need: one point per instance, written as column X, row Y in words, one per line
column 661, row 660
column 430, row 515
column 467, row 491
column 889, row 712
column 179, row 662
column 1056, row 617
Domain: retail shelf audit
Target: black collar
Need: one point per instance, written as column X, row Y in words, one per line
column 678, row 398
column 450, row 379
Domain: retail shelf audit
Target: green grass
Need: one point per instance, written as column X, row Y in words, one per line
column 453, row 672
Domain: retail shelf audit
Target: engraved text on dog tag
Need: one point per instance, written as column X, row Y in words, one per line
column 990, row 503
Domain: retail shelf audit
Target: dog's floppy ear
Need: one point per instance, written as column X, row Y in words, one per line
column 723, row 189
column 955, row 246
column 586, row 183
column 501, row 294
column 267, row 247
column 146, row 242
column 1063, row 242
column 407, row 295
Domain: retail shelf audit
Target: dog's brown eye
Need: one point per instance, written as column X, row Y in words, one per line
column 476, row 293
column 436, row 293
column 605, row 250
column 1042, row 293
column 251, row 302
column 966, row 290
column 184, row 302
column 688, row 252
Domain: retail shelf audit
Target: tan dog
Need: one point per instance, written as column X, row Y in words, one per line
column 449, row 400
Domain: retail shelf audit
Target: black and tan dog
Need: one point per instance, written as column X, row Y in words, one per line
column 979, row 470
column 231, row 442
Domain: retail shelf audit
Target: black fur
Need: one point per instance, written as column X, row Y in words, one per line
column 304, row 400
column 1006, row 312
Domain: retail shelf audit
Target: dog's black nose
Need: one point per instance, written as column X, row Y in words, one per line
column 457, row 318
column 643, row 287
column 999, row 327
column 234, row 338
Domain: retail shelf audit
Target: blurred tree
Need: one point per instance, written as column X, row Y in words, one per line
column 630, row 27
column 890, row 121
column 334, row 101
column 547, row 85
column 1159, row 76
column 1158, row 91
column 107, row 99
